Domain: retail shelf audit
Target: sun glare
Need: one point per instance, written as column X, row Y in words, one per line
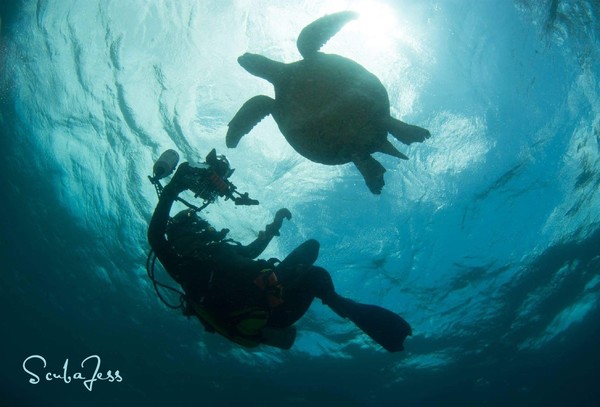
column 377, row 22
column 379, row 26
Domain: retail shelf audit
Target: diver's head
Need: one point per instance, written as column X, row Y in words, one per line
column 186, row 223
column 189, row 234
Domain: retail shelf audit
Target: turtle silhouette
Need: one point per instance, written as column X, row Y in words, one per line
column 329, row 108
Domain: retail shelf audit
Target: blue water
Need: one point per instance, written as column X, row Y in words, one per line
column 487, row 240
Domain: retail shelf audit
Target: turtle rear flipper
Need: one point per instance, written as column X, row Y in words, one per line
column 407, row 133
column 249, row 115
column 317, row 33
column 372, row 171
column 387, row 148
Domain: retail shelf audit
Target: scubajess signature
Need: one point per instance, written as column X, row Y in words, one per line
column 89, row 375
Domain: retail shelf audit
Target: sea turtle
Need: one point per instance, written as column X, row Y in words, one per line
column 329, row 108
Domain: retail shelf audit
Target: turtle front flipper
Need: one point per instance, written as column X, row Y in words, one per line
column 407, row 133
column 249, row 115
column 372, row 171
column 316, row 34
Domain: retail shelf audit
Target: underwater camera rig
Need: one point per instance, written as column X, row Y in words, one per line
column 207, row 181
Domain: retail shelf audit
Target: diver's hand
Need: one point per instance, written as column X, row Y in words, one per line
column 180, row 181
column 281, row 214
column 273, row 228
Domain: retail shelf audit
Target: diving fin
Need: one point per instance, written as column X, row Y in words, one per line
column 383, row 326
column 249, row 115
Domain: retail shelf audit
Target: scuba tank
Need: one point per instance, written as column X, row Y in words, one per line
column 165, row 165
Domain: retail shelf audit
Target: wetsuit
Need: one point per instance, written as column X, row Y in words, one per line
column 222, row 278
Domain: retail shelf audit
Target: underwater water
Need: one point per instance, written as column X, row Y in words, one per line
column 487, row 240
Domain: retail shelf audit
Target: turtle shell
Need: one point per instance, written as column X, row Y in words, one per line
column 330, row 108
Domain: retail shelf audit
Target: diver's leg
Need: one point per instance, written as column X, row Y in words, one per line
column 303, row 284
column 305, row 254
column 300, row 287
column 295, row 274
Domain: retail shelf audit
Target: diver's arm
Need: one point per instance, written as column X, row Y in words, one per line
column 160, row 217
column 255, row 248
column 158, row 224
column 158, row 227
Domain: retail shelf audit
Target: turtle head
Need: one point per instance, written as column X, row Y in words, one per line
column 260, row 66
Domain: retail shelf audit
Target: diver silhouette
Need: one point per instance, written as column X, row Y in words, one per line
column 248, row 301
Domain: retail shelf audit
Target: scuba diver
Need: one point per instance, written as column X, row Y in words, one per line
column 248, row 301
